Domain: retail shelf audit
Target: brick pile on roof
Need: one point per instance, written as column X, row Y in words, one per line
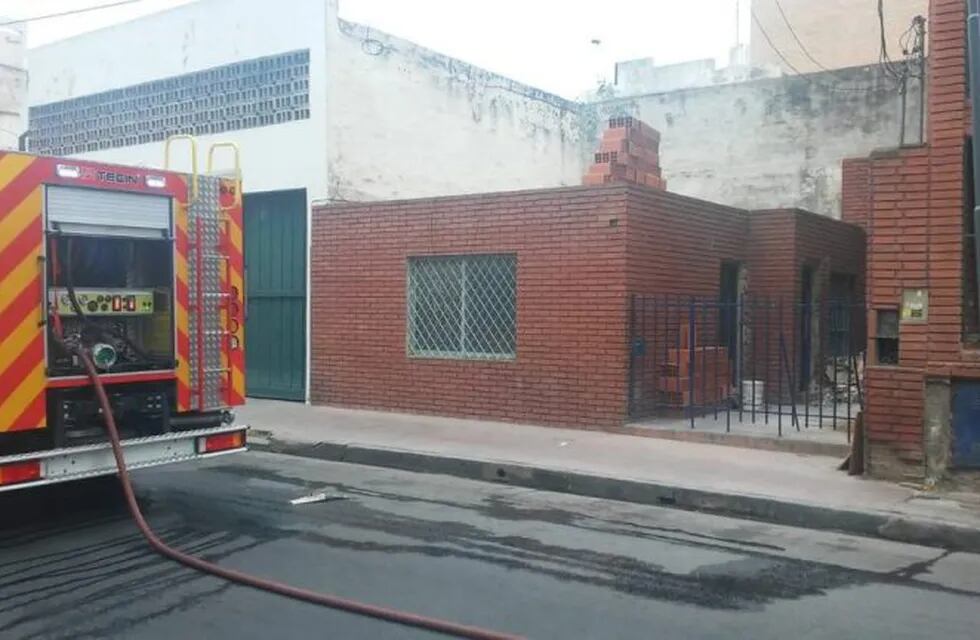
column 628, row 152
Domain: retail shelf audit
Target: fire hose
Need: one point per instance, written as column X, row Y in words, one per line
column 331, row 601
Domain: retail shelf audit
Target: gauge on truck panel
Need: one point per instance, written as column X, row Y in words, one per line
column 104, row 302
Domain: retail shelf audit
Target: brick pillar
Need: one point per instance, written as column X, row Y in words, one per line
column 856, row 191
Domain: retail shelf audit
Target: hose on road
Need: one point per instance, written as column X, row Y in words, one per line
column 334, row 602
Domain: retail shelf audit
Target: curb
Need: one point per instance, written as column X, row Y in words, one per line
column 805, row 447
column 884, row 525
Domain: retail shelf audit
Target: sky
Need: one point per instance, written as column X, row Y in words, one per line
column 562, row 46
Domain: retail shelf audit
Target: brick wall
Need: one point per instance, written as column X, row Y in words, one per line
column 571, row 321
column 580, row 252
column 829, row 246
column 856, row 196
column 771, row 261
column 913, row 212
column 676, row 244
column 781, row 242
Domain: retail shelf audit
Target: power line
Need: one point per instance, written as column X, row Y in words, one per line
column 797, row 38
column 797, row 72
column 883, row 58
column 772, row 45
column 69, row 13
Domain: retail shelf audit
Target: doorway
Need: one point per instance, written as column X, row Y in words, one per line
column 729, row 317
column 806, row 326
column 275, row 288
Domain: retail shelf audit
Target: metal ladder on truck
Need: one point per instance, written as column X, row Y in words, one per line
column 213, row 307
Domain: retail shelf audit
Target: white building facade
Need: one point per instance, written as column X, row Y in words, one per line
column 322, row 109
column 13, row 84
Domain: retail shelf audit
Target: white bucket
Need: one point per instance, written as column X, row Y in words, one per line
column 753, row 393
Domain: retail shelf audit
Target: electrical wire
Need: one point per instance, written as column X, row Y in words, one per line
column 792, row 31
column 797, row 72
column 772, row 45
column 70, row 12
column 883, row 59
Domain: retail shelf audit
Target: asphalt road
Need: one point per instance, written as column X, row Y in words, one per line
column 527, row 562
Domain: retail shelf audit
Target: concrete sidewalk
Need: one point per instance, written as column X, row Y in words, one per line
column 786, row 488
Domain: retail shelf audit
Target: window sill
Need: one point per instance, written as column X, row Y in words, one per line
column 464, row 357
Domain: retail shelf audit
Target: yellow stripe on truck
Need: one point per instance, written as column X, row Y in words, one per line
column 11, row 166
column 23, row 394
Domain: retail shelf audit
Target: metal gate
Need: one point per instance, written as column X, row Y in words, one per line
column 787, row 364
column 275, row 271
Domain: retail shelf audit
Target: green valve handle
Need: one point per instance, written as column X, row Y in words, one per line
column 104, row 356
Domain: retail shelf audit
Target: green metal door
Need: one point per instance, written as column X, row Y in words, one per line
column 275, row 271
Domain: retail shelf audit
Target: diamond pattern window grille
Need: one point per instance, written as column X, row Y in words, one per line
column 463, row 306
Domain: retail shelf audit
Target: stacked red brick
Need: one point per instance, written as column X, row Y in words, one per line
column 699, row 376
column 629, row 152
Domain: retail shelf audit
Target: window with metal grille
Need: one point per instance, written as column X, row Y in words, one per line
column 462, row 306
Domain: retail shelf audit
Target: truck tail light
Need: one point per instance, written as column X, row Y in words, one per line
column 221, row 442
column 17, row 472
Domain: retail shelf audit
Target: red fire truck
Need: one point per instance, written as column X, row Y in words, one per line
column 142, row 270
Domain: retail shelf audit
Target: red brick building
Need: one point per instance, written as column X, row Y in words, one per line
column 516, row 306
column 914, row 204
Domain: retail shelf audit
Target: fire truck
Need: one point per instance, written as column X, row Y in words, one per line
column 140, row 269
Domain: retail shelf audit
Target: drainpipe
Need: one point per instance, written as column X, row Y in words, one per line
column 973, row 40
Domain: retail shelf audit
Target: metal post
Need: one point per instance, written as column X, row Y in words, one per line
column 739, row 310
column 663, row 386
column 793, row 367
column 704, row 353
column 860, row 393
column 690, row 361
column 677, row 355
column 631, row 341
column 753, row 331
column 822, row 330
column 807, row 339
column 717, row 352
column 779, row 369
column 833, row 393
column 656, row 345
column 767, row 385
column 850, row 349
column 791, row 382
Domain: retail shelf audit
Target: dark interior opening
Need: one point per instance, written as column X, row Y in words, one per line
column 886, row 336
column 970, row 309
column 728, row 296
column 806, row 325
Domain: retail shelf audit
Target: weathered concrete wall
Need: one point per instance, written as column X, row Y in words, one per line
column 837, row 33
column 405, row 121
column 389, row 118
column 636, row 77
column 771, row 143
column 13, row 84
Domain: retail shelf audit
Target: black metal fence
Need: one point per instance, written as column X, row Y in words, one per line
column 792, row 365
